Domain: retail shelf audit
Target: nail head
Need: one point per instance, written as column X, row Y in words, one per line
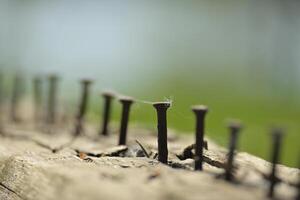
column 200, row 109
column 161, row 105
column 86, row 81
column 108, row 94
column 126, row 99
column 235, row 124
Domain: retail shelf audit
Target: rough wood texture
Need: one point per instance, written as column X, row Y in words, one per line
column 36, row 165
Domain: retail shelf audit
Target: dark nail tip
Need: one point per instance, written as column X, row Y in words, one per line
column 277, row 132
column 37, row 80
column 161, row 105
column 37, row 77
column 125, row 99
column 108, row 94
column 86, row 81
column 200, row 108
column 53, row 76
column 235, row 124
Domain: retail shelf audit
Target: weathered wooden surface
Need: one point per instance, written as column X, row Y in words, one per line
column 37, row 165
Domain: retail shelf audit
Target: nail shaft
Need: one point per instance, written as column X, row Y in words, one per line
column 1, row 102
column 126, row 104
column 37, row 92
column 16, row 93
column 234, row 132
column 277, row 137
column 298, row 185
column 82, row 107
column 200, row 112
column 106, row 114
column 1, row 91
column 161, row 109
column 52, row 95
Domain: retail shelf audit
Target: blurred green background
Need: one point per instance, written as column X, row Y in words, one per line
column 241, row 58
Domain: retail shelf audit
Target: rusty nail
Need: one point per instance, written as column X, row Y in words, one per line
column 200, row 112
column 52, row 95
column 298, row 185
column 277, row 139
column 37, row 95
column 1, row 101
column 107, row 110
column 15, row 99
column 126, row 103
column 1, row 90
column 161, row 109
column 235, row 128
column 85, row 83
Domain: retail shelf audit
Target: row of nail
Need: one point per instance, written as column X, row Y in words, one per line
column 161, row 108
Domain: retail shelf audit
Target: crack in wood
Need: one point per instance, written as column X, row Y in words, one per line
column 12, row 191
column 39, row 143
